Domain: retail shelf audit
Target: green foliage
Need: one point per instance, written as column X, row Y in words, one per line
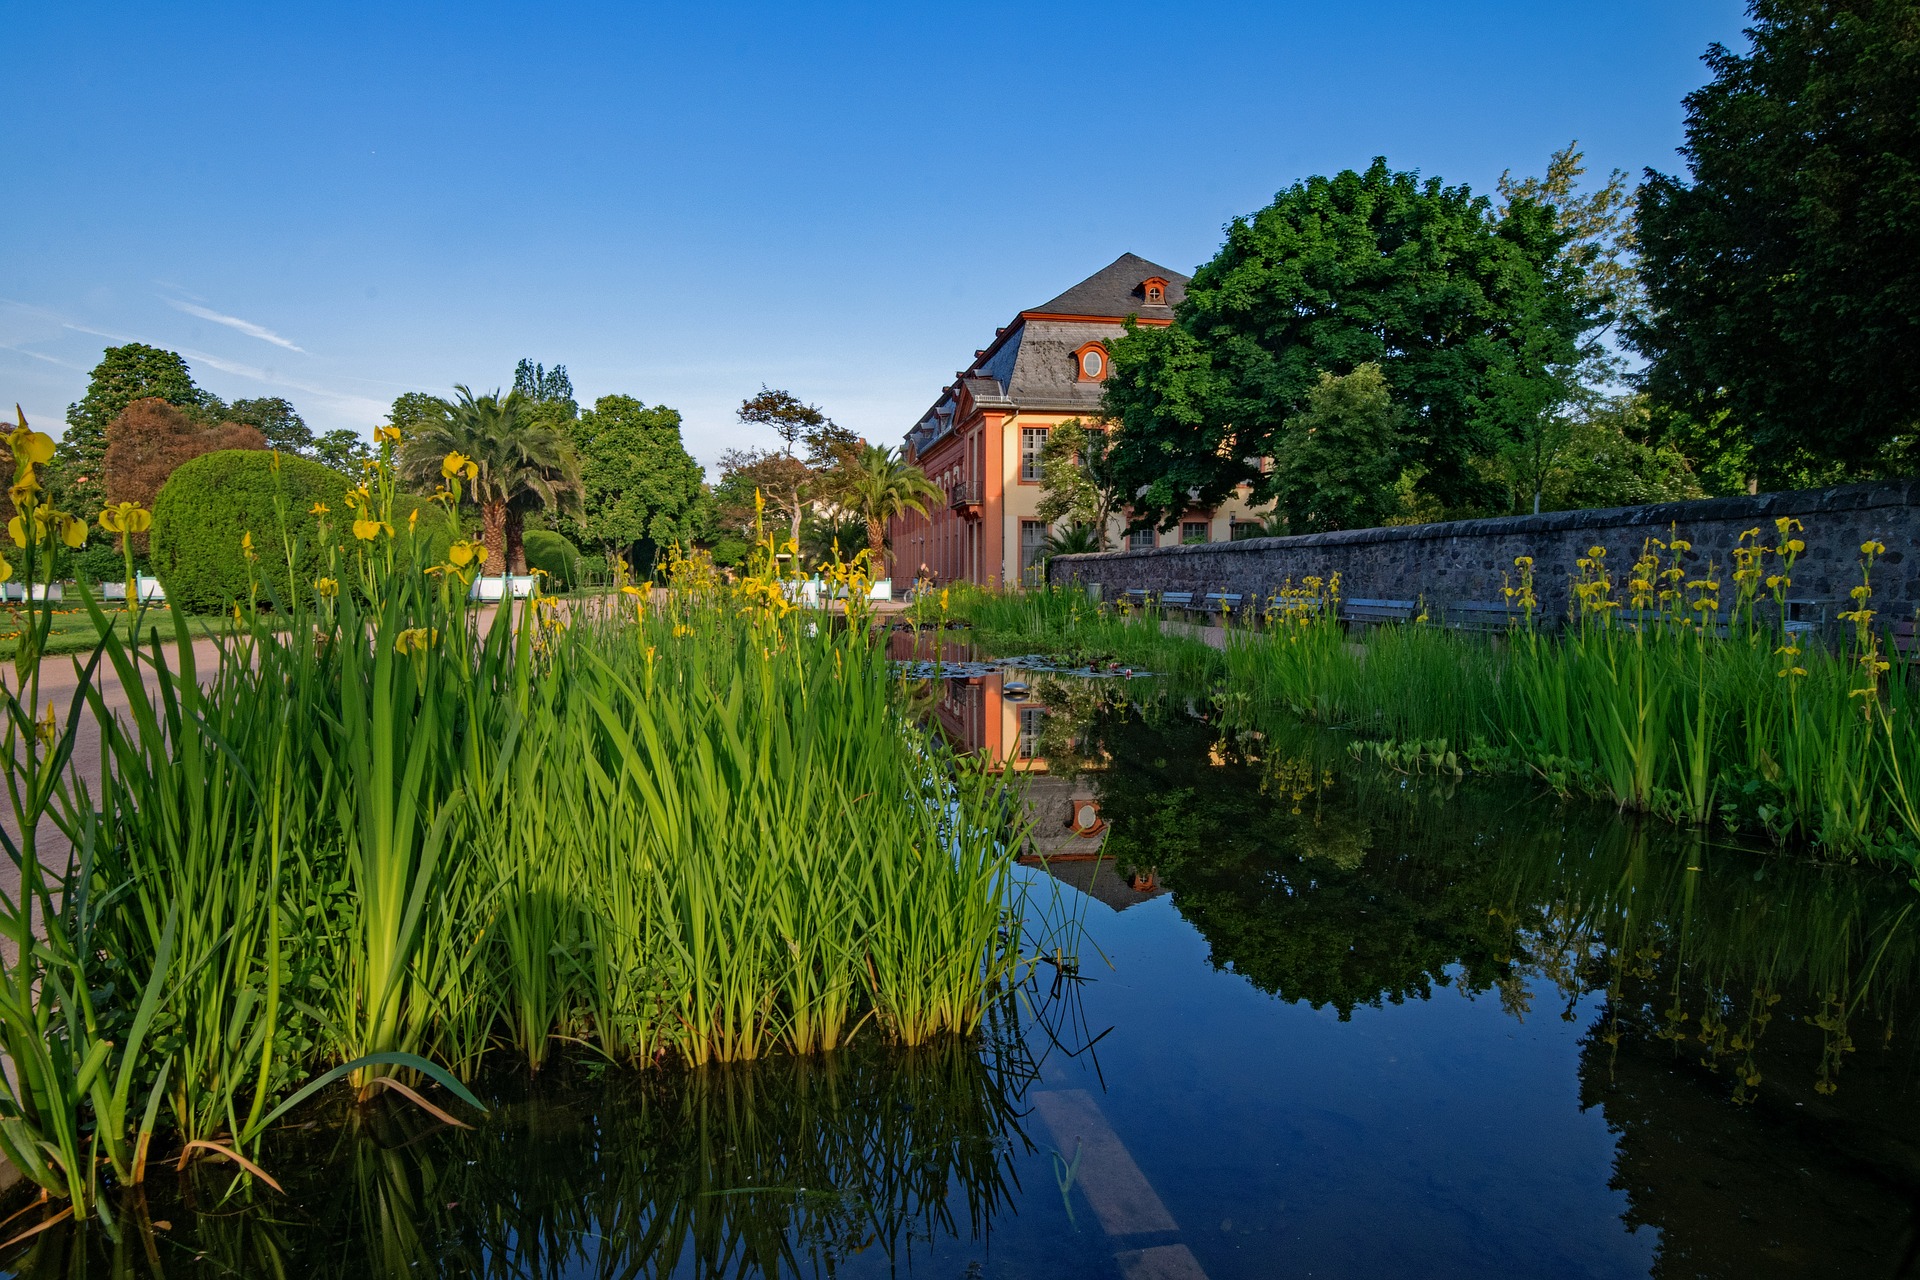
column 521, row 464
column 1077, row 480
column 642, row 489
column 209, row 502
column 1601, row 456
column 554, row 555
column 342, row 449
column 125, row 374
column 1336, row 460
column 1417, row 277
column 415, row 410
column 1784, row 271
column 875, row 483
column 277, row 420
column 543, row 385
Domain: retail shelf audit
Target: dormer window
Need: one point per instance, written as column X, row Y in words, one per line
column 1091, row 362
column 1154, row 290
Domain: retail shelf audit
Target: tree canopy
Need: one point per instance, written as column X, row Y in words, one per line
column 1422, row 279
column 1784, row 271
column 1338, row 458
column 642, row 490
column 125, row 374
column 1077, row 481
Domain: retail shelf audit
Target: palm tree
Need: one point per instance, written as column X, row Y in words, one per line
column 521, row 464
column 1074, row 540
column 875, row 484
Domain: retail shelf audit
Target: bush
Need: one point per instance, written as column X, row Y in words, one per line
column 209, row 502
column 555, row 555
column 100, row 560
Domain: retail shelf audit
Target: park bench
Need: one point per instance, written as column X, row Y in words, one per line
column 1363, row 610
column 1176, row 599
column 1138, row 597
column 1904, row 636
column 1222, row 602
column 1477, row 615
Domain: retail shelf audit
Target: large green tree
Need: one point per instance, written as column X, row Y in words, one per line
column 126, row 373
column 641, row 489
column 1784, row 269
column 1422, row 279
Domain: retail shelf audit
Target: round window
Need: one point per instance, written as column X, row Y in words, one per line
column 1092, row 364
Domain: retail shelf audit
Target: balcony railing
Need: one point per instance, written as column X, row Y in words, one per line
column 968, row 493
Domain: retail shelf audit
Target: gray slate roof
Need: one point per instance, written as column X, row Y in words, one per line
column 1114, row 290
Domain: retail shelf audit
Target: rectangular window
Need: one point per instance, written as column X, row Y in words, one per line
column 1241, row 529
column 1192, row 531
column 1032, row 441
column 1140, row 540
column 1033, row 542
column 1030, row 721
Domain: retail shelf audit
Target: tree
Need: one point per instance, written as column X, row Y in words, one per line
column 278, row 421
column 1605, row 453
column 540, row 385
column 877, row 484
column 781, row 480
column 640, row 488
column 125, row 374
column 1602, row 246
column 1076, row 539
column 414, row 410
column 1077, row 481
column 523, row 466
column 149, row 440
column 1784, row 276
column 343, row 449
column 797, row 423
column 1377, row 267
column 1338, row 458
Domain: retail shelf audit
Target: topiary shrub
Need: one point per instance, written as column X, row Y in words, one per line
column 555, row 555
column 209, row 502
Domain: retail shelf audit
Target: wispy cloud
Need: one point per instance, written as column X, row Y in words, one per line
column 346, row 402
column 247, row 327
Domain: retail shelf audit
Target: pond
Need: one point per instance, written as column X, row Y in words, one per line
column 1328, row 1019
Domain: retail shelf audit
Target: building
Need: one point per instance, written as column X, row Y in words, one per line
column 981, row 440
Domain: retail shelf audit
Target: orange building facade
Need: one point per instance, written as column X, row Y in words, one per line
column 980, row 442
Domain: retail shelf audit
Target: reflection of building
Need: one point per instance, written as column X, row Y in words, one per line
column 981, row 440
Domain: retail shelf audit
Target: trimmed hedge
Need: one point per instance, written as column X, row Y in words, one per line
column 553, row 553
column 209, row 502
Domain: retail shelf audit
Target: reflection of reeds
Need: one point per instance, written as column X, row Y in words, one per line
column 783, row 1167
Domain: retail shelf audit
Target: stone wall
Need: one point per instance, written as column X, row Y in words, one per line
column 1464, row 560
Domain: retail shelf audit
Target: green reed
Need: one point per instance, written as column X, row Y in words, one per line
column 380, row 836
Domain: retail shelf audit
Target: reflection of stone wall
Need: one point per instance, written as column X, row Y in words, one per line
column 1463, row 561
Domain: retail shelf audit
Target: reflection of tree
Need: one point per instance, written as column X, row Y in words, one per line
column 1306, row 897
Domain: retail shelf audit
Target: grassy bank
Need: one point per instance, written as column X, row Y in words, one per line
column 384, row 844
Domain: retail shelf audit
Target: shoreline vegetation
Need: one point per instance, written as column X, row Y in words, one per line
column 378, row 844
column 1666, row 693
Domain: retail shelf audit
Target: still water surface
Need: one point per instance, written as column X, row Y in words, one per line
column 1330, row 1020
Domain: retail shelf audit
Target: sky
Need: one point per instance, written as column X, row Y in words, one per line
column 338, row 203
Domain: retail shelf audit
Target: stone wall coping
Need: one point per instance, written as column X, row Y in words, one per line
column 1763, row 509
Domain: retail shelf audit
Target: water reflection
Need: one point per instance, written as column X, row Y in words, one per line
column 1749, row 1023
column 786, row 1167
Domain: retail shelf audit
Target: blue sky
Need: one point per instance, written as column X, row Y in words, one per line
column 347, row 202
